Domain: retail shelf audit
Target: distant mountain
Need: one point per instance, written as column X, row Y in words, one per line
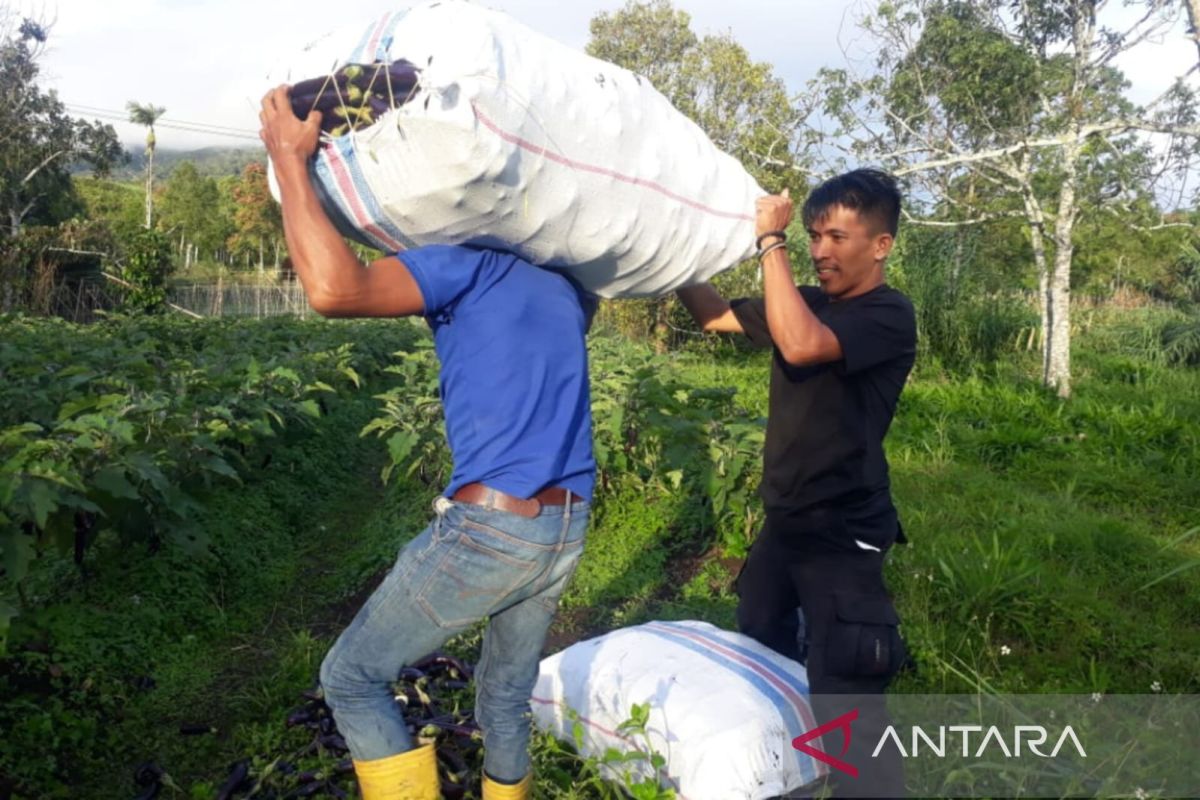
column 209, row 161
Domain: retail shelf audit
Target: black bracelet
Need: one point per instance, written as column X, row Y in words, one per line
column 780, row 234
column 761, row 254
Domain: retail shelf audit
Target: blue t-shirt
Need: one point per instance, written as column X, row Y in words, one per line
column 514, row 373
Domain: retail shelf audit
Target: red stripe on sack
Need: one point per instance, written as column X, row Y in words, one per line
column 584, row 720
column 345, row 183
column 798, row 702
column 585, row 167
column 373, row 42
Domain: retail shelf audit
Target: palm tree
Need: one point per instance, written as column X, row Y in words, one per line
column 147, row 115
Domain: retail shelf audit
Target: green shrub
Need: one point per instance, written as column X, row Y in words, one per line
column 148, row 263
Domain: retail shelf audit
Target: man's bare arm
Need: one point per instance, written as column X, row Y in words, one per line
column 800, row 337
column 336, row 282
column 710, row 310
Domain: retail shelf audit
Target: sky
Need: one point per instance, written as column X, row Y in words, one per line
column 208, row 62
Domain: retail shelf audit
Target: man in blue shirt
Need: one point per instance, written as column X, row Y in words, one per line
column 509, row 529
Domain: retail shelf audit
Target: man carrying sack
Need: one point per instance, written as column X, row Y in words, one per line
column 509, row 529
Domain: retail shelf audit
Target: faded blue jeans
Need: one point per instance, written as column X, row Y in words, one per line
column 471, row 563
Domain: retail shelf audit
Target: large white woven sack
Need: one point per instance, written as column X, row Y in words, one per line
column 518, row 142
column 723, row 709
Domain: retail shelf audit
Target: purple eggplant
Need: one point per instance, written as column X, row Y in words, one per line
column 239, row 776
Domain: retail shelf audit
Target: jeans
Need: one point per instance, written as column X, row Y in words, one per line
column 469, row 564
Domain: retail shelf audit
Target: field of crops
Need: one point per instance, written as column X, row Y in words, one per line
column 190, row 511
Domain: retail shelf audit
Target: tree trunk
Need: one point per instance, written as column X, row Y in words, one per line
column 956, row 264
column 1037, row 242
column 1193, row 12
column 1056, row 358
column 149, row 185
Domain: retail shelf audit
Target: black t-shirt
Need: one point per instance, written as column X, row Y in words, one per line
column 824, row 470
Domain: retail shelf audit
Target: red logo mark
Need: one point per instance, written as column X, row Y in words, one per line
column 841, row 723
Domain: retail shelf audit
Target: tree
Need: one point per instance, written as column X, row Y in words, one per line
column 996, row 109
column 147, row 115
column 117, row 205
column 257, row 223
column 38, row 140
column 190, row 211
column 742, row 106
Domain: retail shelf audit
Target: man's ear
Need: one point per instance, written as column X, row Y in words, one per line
column 883, row 246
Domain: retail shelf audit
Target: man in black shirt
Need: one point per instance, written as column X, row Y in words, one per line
column 842, row 353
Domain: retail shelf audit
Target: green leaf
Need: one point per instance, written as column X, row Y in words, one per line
column 350, row 373
column 16, row 551
column 577, row 735
column 1182, row 538
column 77, row 406
column 43, row 501
column 112, row 481
column 400, row 446
column 221, row 467
column 1170, row 574
column 309, row 408
column 287, row 374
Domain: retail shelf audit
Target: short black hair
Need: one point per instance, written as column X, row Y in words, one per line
column 870, row 192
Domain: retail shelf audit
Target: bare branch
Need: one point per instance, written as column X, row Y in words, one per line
column 1062, row 140
column 45, row 163
column 1139, row 32
column 962, row 223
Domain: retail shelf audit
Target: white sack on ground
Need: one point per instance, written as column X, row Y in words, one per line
column 516, row 141
column 723, row 709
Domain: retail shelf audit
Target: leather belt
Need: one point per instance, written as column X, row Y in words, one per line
column 480, row 495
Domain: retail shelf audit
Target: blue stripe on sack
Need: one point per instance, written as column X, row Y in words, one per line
column 325, row 174
column 384, row 51
column 804, row 764
column 334, row 202
column 349, row 156
column 362, row 44
column 789, row 678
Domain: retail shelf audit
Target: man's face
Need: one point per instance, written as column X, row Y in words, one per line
column 847, row 253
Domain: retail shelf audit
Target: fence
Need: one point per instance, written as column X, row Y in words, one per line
column 76, row 300
column 240, row 300
column 82, row 300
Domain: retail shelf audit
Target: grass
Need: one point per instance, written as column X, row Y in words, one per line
column 1050, row 553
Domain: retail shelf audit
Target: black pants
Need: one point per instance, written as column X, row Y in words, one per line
column 853, row 648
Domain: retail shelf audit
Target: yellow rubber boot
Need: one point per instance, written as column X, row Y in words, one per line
column 507, row 791
column 408, row 776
